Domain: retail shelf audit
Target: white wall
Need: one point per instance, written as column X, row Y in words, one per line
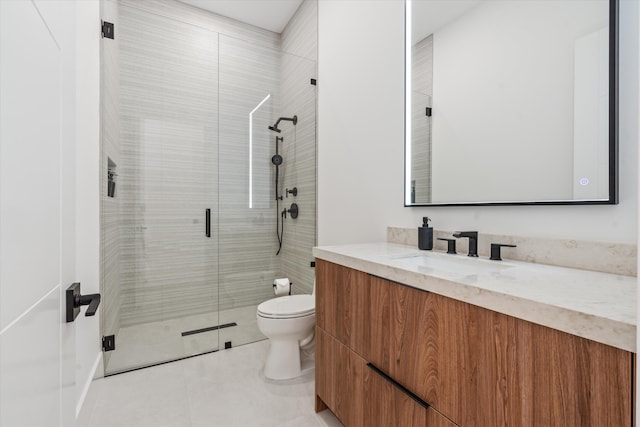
column 360, row 139
column 360, row 120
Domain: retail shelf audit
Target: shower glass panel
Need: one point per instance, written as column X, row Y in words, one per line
column 166, row 157
column 257, row 85
column 247, row 263
column 188, row 209
column 298, row 169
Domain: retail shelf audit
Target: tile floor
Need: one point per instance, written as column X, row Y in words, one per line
column 225, row 389
column 151, row 343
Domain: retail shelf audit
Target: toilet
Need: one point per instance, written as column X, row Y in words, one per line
column 289, row 323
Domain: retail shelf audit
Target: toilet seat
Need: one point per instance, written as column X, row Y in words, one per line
column 288, row 307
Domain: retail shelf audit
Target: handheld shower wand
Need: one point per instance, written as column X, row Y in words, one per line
column 277, row 161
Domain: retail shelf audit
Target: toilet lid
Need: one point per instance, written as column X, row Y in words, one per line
column 288, row 306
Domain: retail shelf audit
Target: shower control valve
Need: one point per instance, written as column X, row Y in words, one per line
column 293, row 211
column 293, row 191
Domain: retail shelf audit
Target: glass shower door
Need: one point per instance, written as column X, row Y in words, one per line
column 160, row 230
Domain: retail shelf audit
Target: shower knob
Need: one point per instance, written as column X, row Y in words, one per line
column 293, row 191
column 293, row 210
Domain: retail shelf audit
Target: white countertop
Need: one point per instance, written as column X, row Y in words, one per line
column 597, row 306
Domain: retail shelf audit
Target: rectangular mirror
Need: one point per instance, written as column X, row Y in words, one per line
column 511, row 102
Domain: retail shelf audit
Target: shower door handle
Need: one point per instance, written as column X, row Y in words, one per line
column 208, row 222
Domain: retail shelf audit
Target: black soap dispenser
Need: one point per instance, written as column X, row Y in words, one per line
column 425, row 235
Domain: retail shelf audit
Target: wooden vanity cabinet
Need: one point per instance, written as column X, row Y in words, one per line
column 472, row 365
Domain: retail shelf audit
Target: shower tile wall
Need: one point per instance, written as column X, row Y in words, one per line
column 155, row 268
column 299, row 41
column 300, row 36
column 173, row 9
column 421, row 97
column 110, row 206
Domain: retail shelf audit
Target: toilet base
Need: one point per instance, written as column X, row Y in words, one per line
column 283, row 360
column 285, row 336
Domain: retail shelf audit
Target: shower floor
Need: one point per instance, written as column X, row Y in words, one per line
column 148, row 344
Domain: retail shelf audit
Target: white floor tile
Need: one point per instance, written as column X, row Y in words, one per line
column 153, row 396
column 223, row 389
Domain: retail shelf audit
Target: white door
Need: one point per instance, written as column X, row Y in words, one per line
column 37, row 203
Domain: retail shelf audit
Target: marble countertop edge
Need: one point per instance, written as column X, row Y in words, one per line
column 612, row 331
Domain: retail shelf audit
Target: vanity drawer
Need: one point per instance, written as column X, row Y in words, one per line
column 340, row 379
column 392, row 405
column 362, row 396
column 338, row 293
column 354, row 308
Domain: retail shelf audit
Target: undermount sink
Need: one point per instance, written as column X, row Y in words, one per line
column 460, row 264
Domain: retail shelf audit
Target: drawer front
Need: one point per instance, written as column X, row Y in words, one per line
column 340, row 376
column 353, row 307
column 339, row 305
column 360, row 396
column 392, row 405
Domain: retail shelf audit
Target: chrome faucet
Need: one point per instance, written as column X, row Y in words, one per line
column 473, row 240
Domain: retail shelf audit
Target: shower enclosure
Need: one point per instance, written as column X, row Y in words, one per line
column 188, row 213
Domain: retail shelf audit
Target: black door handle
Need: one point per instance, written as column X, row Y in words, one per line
column 208, row 222
column 92, row 300
column 74, row 301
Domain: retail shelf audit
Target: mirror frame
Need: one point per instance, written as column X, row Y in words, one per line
column 613, row 122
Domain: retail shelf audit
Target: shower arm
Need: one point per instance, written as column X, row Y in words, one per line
column 293, row 119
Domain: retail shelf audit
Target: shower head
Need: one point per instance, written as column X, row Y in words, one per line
column 293, row 119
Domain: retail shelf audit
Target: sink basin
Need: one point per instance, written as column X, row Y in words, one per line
column 448, row 264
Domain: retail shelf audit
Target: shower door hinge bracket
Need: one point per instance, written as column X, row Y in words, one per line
column 107, row 30
column 109, row 343
column 313, row 82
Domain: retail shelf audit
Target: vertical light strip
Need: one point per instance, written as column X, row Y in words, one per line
column 251, row 149
column 407, row 97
